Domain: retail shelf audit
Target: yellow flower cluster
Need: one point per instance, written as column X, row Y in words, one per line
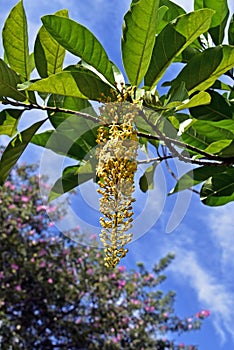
column 116, row 167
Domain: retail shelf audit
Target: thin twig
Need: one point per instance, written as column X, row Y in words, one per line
column 219, row 161
column 157, row 159
column 173, row 174
column 49, row 109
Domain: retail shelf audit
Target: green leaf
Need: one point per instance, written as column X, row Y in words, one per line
column 228, row 151
column 202, row 98
column 209, row 65
column 49, row 55
column 217, row 146
column 139, row 30
column 173, row 11
column 15, row 149
column 191, row 137
column 8, row 83
column 80, row 41
column 78, row 82
column 146, row 181
column 195, row 177
column 215, row 131
column 15, row 41
column 219, row 20
column 173, row 39
column 72, row 177
column 75, row 123
column 218, row 189
column 9, row 120
column 217, row 109
column 59, row 142
column 231, row 32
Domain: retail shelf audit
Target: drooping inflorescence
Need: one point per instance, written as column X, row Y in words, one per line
column 116, row 167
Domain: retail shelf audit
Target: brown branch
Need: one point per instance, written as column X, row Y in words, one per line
column 158, row 159
column 173, row 174
column 28, row 107
column 211, row 160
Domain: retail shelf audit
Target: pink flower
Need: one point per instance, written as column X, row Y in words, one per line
column 11, row 206
column 40, row 207
column 116, row 339
column 42, row 264
column 25, row 199
column 112, row 275
column 149, row 308
column 149, row 277
column 121, row 284
column 79, row 260
column 14, row 267
column 93, row 237
column 51, row 224
column 50, row 281
column 1, row 275
column 181, row 346
column 203, row 314
column 42, row 252
column 90, row 271
column 121, row 268
column 18, row 288
column 135, row 301
column 51, row 209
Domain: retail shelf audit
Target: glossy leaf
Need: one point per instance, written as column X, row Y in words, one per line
column 208, row 65
column 217, row 147
column 217, row 109
column 49, row 55
column 76, row 83
column 72, row 177
column 202, row 98
column 215, row 131
column 60, row 142
column 195, row 177
column 15, row 149
column 15, row 41
column 231, row 32
column 173, row 11
column 173, row 39
column 72, row 124
column 219, row 20
column 8, row 83
column 139, row 30
column 146, row 181
column 219, row 189
column 9, row 120
column 80, row 41
column 192, row 138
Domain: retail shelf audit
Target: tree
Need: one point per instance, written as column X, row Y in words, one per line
column 156, row 34
column 58, row 294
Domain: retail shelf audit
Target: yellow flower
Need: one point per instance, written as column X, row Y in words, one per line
column 117, row 152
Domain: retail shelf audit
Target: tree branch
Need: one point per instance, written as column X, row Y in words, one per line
column 217, row 161
column 28, row 107
column 210, row 159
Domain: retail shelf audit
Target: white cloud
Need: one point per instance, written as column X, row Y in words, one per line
column 212, row 293
column 222, row 230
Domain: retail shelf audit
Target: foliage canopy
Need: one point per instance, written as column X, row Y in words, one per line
column 198, row 105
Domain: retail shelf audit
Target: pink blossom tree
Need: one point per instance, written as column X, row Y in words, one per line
column 56, row 294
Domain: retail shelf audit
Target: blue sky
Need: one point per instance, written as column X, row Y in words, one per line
column 202, row 237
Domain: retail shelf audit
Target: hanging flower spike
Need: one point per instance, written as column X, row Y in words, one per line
column 116, row 167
